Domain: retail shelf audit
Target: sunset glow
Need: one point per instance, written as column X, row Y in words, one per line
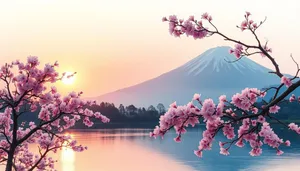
column 131, row 85
column 68, row 78
column 104, row 44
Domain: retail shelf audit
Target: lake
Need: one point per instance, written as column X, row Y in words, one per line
column 131, row 149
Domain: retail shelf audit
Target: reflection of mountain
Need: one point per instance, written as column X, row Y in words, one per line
column 208, row 74
column 239, row 158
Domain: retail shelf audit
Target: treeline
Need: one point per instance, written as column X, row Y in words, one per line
column 129, row 113
column 288, row 112
column 120, row 114
column 125, row 116
column 132, row 115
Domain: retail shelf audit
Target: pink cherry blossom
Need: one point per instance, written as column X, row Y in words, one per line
column 192, row 18
column 205, row 16
column 286, row 81
column 248, row 13
column 240, row 143
column 177, row 139
column 254, row 110
column 197, row 97
column 279, row 152
column 198, row 153
column 164, row 19
column 244, row 25
column 222, row 98
column 293, row 127
column 224, row 151
column 261, row 119
column 237, row 51
column 292, row 98
column 255, row 152
column 274, row 109
column 253, row 122
column 287, row 143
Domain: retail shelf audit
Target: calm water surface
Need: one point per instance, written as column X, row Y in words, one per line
column 133, row 150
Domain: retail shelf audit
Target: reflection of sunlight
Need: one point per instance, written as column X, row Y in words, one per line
column 108, row 148
column 69, row 134
column 67, row 159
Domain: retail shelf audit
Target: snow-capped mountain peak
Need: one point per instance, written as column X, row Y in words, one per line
column 218, row 59
column 208, row 74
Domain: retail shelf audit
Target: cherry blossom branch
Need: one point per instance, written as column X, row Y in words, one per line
column 3, row 160
column 4, row 149
column 55, row 112
column 241, row 136
column 5, row 136
column 221, row 116
column 277, row 90
column 43, row 155
column 298, row 69
column 20, row 141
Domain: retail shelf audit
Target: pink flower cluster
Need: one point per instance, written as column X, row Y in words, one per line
column 247, row 98
column 294, row 127
column 228, row 131
column 190, row 27
column 271, row 138
column 223, row 116
column 6, row 121
column 248, row 23
column 208, row 136
column 293, row 98
column 182, row 116
column 237, row 51
column 267, row 49
column 274, row 109
column 177, row 117
column 207, row 17
column 26, row 159
column 286, row 81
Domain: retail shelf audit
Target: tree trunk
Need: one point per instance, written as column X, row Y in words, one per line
column 9, row 163
column 13, row 145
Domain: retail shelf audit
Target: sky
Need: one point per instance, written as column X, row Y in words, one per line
column 113, row 44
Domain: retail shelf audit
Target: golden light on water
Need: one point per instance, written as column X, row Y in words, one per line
column 107, row 149
column 67, row 158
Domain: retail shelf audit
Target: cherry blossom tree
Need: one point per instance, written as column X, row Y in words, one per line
column 26, row 91
column 240, row 118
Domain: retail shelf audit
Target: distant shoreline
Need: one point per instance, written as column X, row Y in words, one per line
column 150, row 125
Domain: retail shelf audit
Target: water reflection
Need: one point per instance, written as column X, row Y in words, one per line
column 117, row 150
column 239, row 158
column 133, row 150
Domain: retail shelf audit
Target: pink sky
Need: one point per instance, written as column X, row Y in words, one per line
column 117, row 43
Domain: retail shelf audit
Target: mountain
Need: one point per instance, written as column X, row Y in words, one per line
column 209, row 74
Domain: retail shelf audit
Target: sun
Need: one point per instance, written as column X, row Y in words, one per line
column 68, row 79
